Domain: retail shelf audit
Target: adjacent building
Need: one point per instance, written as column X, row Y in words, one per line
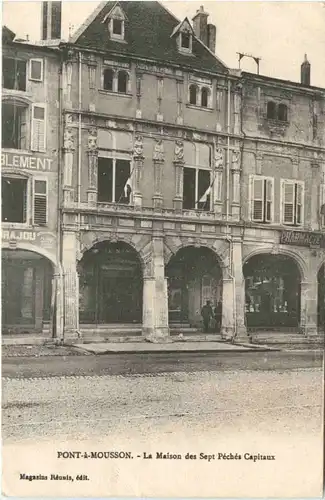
column 178, row 180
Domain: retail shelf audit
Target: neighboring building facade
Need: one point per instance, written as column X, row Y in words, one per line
column 29, row 163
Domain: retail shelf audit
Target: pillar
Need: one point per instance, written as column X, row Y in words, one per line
column 138, row 160
column 155, row 295
column 308, row 304
column 39, row 297
column 92, row 167
column 158, row 163
column 71, row 285
column 68, row 152
column 235, row 172
column 218, row 180
column 179, row 174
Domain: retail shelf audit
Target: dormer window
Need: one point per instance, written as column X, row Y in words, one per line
column 117, row 27
column 185, row 40
column 183, row 34
column 115, row 20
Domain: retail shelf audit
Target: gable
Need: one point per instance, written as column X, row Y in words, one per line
column 148, row 30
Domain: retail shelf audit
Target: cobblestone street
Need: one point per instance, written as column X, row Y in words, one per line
column 267, row 412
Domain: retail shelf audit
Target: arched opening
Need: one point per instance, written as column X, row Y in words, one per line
column 194, row 277
column 283, row 112
column 108, row 79
column 122, row 82
column 193, row 94
column 272, row 292
column 27, row 302
column 271, row 110
column 321, row 298
column 204, row 97
column 110, row 284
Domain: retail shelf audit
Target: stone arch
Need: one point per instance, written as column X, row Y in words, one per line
column 41, row 251
column 269, row 249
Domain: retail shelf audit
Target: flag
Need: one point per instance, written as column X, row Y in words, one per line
column 128, row 188
column 204, row 197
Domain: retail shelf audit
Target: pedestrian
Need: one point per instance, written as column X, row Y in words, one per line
column 217, row 315
column 207, row 314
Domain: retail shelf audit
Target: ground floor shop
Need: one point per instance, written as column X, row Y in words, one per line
column 161, row 282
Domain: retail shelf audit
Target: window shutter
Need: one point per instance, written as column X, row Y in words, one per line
column 268, row 199
column 38, row 128
column 40, row 203
column 257, row 198
column 288, row 203
column 299, row 203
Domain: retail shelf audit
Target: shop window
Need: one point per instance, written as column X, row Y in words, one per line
column 122, row 82
column 108, row 79
column 193, row 94
column 40, row 203
column 196, row 189
column 271, row 110
column 14, row 199
column 14, row 126
column 282, row 112
column 262, row 199
column 14, row 74
column 292, row 203
column 38, row 132
column 36, row 70
column 114, row 184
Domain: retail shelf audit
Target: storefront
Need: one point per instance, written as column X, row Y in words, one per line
column 194, row 277
column 272, row 292
column 26, row 291
column 110, row 285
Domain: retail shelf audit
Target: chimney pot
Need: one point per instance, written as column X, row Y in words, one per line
column 305, row 72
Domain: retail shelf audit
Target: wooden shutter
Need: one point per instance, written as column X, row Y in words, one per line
column 257, row 199
column 40, row 203
column 299, row 203
column 268, row 199
column 288, row 192
column 38, row 138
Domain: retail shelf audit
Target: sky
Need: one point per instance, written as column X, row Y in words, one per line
column 280, row 32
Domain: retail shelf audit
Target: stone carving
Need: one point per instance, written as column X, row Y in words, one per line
column 68, row 140
column 159, row 154
column 236, row 160
column 179, row 151
column 92, row 140
column 68, row 119
column 218, row 158
column 138, row 146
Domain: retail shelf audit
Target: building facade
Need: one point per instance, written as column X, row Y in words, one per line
column 29, row 164
column 178, row 180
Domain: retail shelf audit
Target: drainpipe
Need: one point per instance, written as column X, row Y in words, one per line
column 79, row 161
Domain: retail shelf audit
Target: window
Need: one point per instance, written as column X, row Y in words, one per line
column 108, row 79
column 14, row 199
column 40, row 203
column 282, row 112
column 271, row 110
column 14, row 126
column 196, row 192
column 14, row 74
column 193, row 94
column 114, row 180
column 38, row 137
column 122, row 82
column 262, row 199
column 185, row 40
column 292, row 203
column 117, row 26
column 204, row 97
column 36, row 70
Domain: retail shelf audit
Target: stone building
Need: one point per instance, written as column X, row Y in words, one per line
column 31, row 274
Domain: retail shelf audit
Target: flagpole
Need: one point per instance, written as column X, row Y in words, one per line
column 210, row 187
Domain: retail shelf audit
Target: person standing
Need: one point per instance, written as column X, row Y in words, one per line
column 207, row 314
column 217, row 316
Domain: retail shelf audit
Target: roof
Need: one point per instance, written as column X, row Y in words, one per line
column 148, row 30
column 285, row 83
column 7, row 35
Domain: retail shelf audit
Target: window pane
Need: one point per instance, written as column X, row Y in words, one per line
column 40, row 187
column 36, row 70
column 288, row 212
column 117, row 27
column 282, row 112
column 185, row 40
column 189, row 188
column 204, row 180
column 288, row 193
column 258, row 189
column 204, row 97
column 122, row 174
column 108, row 79
column 13, row 121
column 105, row 179
column 39, row 113
column 13, row 199
column 122, row 82
column 193, row 92
column 271, row 110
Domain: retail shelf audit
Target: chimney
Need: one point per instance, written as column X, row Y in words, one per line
column 51, row 20
column 200, row 25
column 212, row 33
column 305, row 72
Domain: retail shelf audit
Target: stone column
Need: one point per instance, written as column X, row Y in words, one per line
column 237, row 105
column 179, row 173
column 39, row 297
column 235, row 171
column 71, row 285
column 138, row 159
column 155, row 295
column 158, row 162
column 68, row 152
column 58, row 291
column 218, row 181
column 92, row 167
column 228, row 316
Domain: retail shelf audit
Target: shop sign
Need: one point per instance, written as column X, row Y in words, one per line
column 302, row 239
column 17, row 160
column 44, row 240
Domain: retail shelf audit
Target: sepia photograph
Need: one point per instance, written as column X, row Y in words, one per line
column 163, row 249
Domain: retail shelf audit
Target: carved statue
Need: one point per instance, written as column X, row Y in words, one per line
column 179, row 151
column 92, row 139
column 158, row 153
column 68, row 141
column 236, row 160
column 138, row 146
column 218, row 158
